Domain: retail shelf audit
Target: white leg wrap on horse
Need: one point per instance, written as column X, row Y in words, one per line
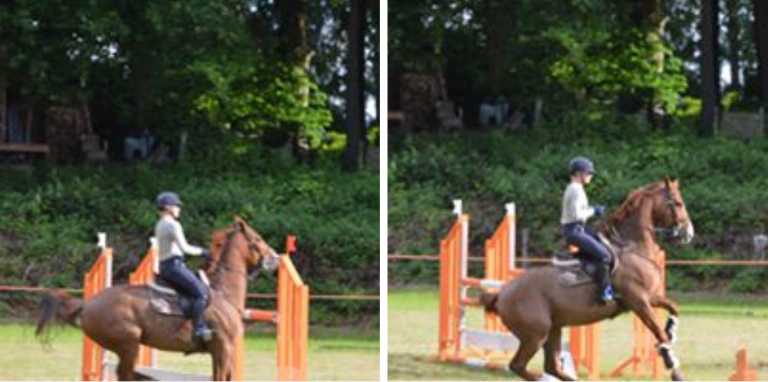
column 671, row 328
column 666, row 353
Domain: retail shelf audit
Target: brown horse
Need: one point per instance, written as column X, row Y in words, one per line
column 121, row 318
column 535, row 306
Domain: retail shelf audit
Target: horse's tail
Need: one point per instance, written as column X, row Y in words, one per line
column 58, row 305
column 488, row 301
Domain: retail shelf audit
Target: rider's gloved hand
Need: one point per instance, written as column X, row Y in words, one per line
column 599, row 210
column 206, row 255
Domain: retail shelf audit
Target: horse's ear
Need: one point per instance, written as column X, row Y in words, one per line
column 240, row 224
column 670, row 181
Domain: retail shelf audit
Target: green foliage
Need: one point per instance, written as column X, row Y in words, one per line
column 721, row 183
column 602, row 66
column 174, row 66
column 566, row 52
column 50, row 219
column 253, row 95
column 730, row 99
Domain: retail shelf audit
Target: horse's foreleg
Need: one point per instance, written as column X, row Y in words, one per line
column 552, row 355
column 672, row 321
column 665, row 303
column 223, row 362
column 647, row 315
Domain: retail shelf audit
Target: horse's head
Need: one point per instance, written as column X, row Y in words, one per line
column 660, row 207
column 259, row 252
column 256, row 250
column 670, row 212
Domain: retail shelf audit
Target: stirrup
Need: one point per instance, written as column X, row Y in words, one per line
column 607, row 294
column 204, row 333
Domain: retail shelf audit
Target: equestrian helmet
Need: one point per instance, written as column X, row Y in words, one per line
column 581, row 164
column 167, row 198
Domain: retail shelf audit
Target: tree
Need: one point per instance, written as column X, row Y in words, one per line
column 761, row 42
column 3, row 89
column 355, row 121
column 734, row 42
column 498, row 19
column 649, row 17
column 710, row 76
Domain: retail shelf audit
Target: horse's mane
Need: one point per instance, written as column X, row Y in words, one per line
column 221, row 239
column 632, row 202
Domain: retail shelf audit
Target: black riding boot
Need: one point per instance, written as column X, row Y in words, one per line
column 603, row 281
column 201, row 327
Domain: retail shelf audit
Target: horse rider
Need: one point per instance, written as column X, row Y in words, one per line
column 576, row 211
column 172, row 245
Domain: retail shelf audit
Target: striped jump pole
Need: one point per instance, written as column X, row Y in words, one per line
column 457, row 343
column 98, row 278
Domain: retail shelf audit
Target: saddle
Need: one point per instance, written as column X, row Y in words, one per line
column 575, row 269
column 165, row 300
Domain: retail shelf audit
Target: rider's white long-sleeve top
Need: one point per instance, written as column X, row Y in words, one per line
column 171, row 241
column 576, row 207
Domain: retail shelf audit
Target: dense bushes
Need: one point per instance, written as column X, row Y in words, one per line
column 50, row 217
column 721, row 180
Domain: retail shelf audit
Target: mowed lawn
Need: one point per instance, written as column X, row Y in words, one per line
column 712, row 328
column 334, row 354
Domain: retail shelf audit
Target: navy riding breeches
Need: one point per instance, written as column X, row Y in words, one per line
column 579, row 235
column 176, row 273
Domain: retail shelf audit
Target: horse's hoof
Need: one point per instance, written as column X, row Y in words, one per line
column 677, row 375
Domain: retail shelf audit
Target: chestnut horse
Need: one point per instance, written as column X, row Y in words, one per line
column 535, row 306
column 121, row 318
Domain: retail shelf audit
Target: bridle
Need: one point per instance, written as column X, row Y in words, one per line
column 252, row 247
column 679, row 226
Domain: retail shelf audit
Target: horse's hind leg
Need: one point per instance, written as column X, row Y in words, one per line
column 127, row 354
column 530, row 343
column 552, row 355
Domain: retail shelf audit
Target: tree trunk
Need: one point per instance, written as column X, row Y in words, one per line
column 141, row 73
column 294, row 42
column 3, row 90
column 650, row 17
column 734, row 48
column 761, row 43
column 355, row 123
column 710, row 77
column 296, row 50
column 498, row 26
column 142, row 60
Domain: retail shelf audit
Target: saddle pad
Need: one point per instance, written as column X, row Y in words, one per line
column 162, row 289
column 164, row 301
column 573, row 276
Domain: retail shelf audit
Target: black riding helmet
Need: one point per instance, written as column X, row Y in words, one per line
column 581, row 164
column 167, row 198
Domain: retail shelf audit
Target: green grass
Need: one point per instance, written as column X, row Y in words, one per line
column 712, row 327
column 334, row 354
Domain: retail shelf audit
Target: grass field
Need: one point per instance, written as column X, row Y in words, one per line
column 334, row 354
column 711, row 330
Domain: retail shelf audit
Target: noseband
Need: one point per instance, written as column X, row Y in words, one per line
column 678, row 226
column 251, row 247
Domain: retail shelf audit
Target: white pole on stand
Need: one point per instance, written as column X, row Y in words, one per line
column 102, row 240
